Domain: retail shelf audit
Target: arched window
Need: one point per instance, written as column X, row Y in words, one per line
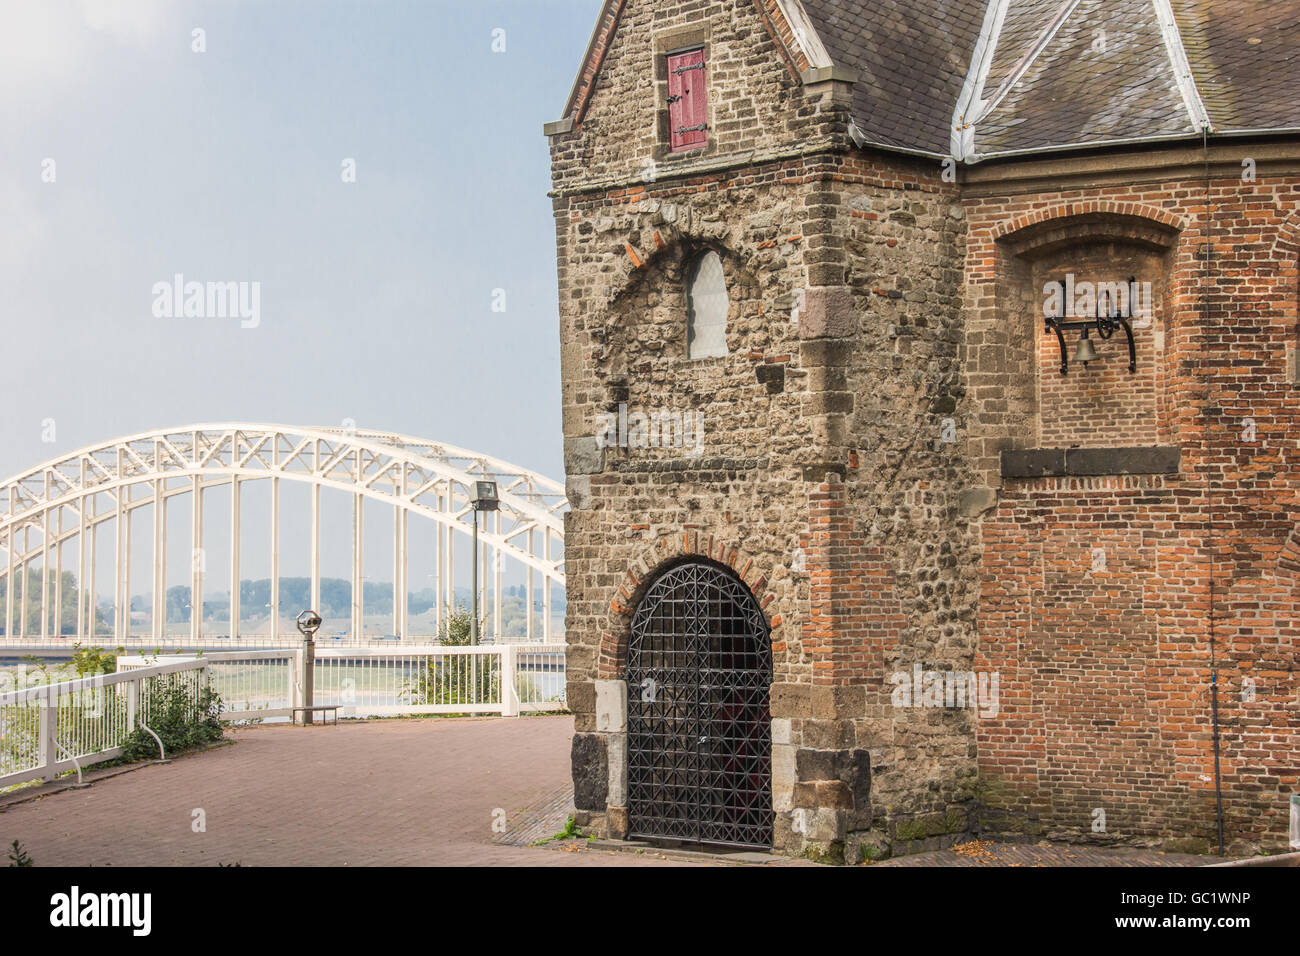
column 706, row 308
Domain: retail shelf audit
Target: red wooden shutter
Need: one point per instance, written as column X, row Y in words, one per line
column 688, row 101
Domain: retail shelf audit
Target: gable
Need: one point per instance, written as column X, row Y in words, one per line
column 625, row 119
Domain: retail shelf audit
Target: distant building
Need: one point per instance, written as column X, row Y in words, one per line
column 866, row 555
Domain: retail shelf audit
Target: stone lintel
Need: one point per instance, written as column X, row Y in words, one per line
column 1090, row 462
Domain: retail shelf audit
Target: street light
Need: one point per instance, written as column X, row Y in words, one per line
column 483, row 497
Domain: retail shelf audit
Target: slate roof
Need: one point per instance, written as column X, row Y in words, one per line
column 978, row 79
column 911, row 57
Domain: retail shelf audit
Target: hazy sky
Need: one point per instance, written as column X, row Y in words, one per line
column 226, row 165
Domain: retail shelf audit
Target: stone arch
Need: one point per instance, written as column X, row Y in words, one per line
column 671, row 248
column 671, row 549
column 660, row 276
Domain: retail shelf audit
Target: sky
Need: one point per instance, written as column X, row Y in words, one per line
column 129, row 157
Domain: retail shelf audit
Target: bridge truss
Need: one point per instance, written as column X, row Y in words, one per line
column 65, row 503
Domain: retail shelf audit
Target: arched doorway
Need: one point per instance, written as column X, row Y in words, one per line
column 699, row 673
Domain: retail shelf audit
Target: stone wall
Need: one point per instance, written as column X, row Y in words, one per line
column 823, row 475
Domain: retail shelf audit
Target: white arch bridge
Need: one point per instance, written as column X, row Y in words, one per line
column 54, row 515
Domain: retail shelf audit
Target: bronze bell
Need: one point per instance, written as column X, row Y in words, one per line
column 1085, row 352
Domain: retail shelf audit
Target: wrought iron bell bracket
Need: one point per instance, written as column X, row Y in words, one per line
column 1106, row 323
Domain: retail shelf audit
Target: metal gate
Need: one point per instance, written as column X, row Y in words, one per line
column 699, row 672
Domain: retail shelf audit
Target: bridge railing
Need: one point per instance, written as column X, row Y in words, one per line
column 51, row 728
column 506, row 679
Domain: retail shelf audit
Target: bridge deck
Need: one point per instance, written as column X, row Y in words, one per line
column 392, row 792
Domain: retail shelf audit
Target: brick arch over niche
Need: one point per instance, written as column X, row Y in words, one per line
column 1010, row 355
column 1286, row 246
column 1100, row 208
column 1288, row 561
column 1285, row 260
column 673, row 549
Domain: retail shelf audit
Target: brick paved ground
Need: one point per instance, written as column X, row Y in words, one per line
column 395, row 792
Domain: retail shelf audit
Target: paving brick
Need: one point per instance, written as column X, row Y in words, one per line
column 375, row 793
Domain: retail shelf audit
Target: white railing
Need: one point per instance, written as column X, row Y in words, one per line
column 51, row 728
column 506, row 679
column 184, row 643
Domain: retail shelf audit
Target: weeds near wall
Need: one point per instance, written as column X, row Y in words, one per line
column 18, row 856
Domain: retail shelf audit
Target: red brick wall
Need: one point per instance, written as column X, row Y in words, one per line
column 1106, row 672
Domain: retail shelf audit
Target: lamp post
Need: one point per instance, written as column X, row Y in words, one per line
column 483, row 498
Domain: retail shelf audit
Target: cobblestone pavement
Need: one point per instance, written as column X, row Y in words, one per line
column 392, row 792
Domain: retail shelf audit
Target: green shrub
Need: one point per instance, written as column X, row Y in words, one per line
column 181, row 721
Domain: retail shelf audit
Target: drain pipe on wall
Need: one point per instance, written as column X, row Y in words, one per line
column 1209, row 494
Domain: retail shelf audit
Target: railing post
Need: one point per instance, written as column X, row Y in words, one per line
column 308, row 676
column 295, row 680
column 132, row 703
column 509, row 698
column 49, row 726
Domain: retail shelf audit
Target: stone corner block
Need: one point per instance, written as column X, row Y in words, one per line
column 581, row 696
column 782, row 732
column 583, row 456
column 975, row 501
column 616, row 822
column 791, row 700
column 836, row 702
column 611, row 706
column 616, row 751
column 577, row 489
column 590, row 760
column 827, row 313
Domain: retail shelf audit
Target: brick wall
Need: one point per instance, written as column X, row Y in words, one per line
column 1096, row 592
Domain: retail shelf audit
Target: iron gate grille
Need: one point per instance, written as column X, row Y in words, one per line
column 699, row 670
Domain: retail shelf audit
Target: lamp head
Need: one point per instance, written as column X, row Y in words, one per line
column 483, row 496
